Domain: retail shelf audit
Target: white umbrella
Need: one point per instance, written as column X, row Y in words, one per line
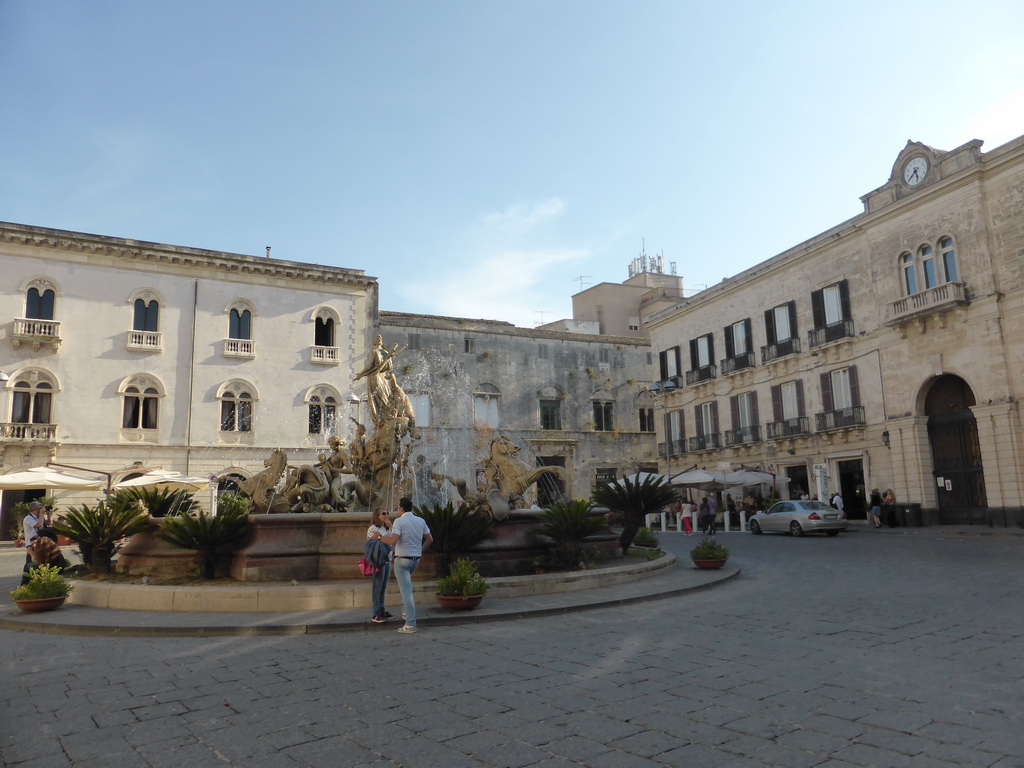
column 47, row 478
column 748, row 477
column 699, row 478
column 173, row 480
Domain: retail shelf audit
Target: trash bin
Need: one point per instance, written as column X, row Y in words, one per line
column 911, row 514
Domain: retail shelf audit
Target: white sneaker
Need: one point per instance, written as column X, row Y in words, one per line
column 407, row 630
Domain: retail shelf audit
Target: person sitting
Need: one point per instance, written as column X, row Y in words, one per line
column 43, row 551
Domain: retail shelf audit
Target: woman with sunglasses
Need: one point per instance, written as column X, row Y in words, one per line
column 380, row 525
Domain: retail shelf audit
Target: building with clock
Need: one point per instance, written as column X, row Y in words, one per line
column 885, row 352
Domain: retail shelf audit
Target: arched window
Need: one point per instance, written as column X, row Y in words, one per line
column 141, row 403
column 39, row 303
column 485, row 405
column 236, row 406
column 948, row 259
column 240, row 324
column 322, row 407
column 923, row 271
column 147, row 315
column 32, row 401
column 909, row 273
column 927, row 259
column 239, row 342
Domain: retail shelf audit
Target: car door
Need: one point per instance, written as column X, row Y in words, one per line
column 778, row 517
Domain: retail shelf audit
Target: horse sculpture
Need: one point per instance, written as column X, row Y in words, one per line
column 508, row 477
column 260, row 487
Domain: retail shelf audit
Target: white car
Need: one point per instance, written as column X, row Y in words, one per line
column 798, row 518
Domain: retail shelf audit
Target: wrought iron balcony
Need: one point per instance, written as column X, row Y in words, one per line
column 239, row 348
column 672, row 448
column 937, row 298
column 788, row 428
column 35, row 332
column 707, row 442
column 697, row 375
column 737, row 363
column 844, row 418
column 779, row 349
column 28, row 433
column 841, row 330
column 147, row 341
column 323, row 355
column 743, row 435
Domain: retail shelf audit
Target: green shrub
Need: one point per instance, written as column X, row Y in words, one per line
column 634, row 498
column 462, row 580
column 98, row 530
column 645, row 538
column 568, row 524
column 709, row 549
column 45, row 581
column 454, row 531
column 211, row 536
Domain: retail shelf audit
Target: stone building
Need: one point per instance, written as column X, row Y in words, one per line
column 119, row 352
column 572, row 400
column 884, row 352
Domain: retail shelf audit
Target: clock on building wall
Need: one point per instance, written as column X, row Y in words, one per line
column 915, row 170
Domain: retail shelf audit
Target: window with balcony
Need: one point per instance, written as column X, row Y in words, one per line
column 31, row 407
column 236, row 406
column 322, row 410
column 745, row 428
column 702, row 356
column 738, row 350
column 706, row 425
column 485, row 405
column 930, row 281
column 788, row 418
column 833, row 319
column 38, row 326
column 325, row 347
column 145, row 332
column 603, row 416
column 840, row 398
column 239, row 342
column 780, row 331
column 140, row 404
column 669, row 365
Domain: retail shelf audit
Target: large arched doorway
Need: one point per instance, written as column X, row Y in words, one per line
column 956, row 451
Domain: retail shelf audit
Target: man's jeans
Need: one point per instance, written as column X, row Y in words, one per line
column 404, row 567
column 379, row 585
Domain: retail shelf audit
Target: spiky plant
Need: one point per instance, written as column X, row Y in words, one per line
column 568, row 524
column 634, row 499
column 211, row 536
column 454, row 531
column 161, row 502
column 98, row 530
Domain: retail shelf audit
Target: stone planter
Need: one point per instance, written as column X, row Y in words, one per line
column 41, row 604
column 709, row 564
column 458, row 602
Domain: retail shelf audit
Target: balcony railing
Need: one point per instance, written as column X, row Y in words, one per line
column 844, row 418
column 323, row 355
column 28, row 433
column 939, row 297
column 841, row 330
column 707, row 442
column 698, row 375
column 672, row 448
column 737, row 363
column 239, row 348
column 788, row 428
column 779, row 349
column 149, row 341
column 743, row 435
column 35, row 332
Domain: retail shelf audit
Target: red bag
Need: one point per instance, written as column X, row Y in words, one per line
column 366, row 568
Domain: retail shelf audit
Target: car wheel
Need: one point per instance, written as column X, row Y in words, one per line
column 832, row 533
column 755, row 528
column 795, row 529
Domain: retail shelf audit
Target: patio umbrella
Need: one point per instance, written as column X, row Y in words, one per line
column 702, row 479
column 48, row 479
column 748, row 477
column 167, row 479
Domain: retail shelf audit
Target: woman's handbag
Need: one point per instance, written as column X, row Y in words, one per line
column 366, row 567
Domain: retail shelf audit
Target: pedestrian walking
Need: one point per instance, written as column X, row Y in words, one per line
column 409, row 535
column 875, row 501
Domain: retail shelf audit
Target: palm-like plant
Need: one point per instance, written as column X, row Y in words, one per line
column 98, row 530
column 161, row 502
column 454, row 531
column 568, row 524
column 211, row 536
column 634, row 499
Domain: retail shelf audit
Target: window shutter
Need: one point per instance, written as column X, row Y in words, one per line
column 663, row 364
column 734, row 407
column 750, row 338
column 769, row 326
column 826, row 392
column 753, row 410
column 844, row 299
column 714, row 416
column 776, row 402
column 800, row 397
column 679, row 361
column 818, row 308
column 792, row 320
column 694, row 364
column 730, row 344
column 698, row 421
column 854, row 385
column 711, row 349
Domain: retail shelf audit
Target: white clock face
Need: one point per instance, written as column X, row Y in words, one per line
column 915, row 171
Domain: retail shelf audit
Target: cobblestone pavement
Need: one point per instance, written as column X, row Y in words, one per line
column 862, row 650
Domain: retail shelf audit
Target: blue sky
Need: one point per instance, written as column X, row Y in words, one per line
column 479, row 158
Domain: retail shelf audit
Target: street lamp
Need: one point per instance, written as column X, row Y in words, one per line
column 4, row 377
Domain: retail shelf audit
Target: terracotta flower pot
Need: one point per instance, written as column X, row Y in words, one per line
column 41, row 604
column 709, row 564
column 459, row 602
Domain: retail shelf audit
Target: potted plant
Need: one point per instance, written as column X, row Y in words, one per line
column 45, row 591
column 463, row 588
column 709, row 554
